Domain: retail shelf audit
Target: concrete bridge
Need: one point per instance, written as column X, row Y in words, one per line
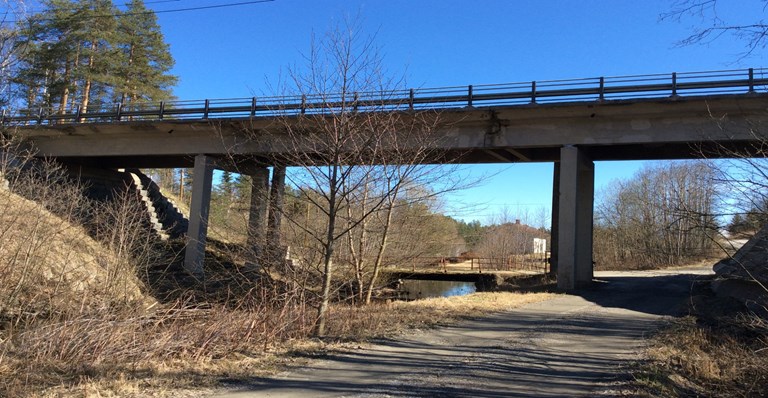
column 569, row 122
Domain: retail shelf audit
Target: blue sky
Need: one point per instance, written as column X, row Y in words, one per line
column 235, row 52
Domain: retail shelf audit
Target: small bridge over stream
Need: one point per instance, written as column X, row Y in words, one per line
column 569, row 122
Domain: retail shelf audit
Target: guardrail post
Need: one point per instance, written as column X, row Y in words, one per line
column 751, row 80
column 533, row 92
column 119, row 111
column 303, row 104
column 410, row 99
column 356, row 98
column 674, row 84
column 469, row 96
column 40, row 116
column 253, row 107
column 602, row 89
column 205, row 110
column 162, row 109
column 78, row 113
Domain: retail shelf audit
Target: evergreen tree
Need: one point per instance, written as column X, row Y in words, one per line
column 242, row 188
column 227, row 186
column 68, row 57
column 144, row 57
column 86, row 53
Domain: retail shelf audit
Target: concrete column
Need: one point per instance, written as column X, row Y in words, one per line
column 555, row 226
column 577, row 187
column 276, row 198
column 194, row 256
column 257, row 217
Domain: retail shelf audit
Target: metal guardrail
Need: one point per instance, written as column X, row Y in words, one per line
column 725, row 82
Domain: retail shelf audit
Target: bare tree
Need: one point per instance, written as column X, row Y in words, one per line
column 405, row 226
column 509, row 237
column 662, row 216
column 754, row 34
column 353, row 157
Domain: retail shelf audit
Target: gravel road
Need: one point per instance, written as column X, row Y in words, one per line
column 573, row 345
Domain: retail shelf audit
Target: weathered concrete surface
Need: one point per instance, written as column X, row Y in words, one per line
column 611, row 130
column 577, row 191
column 568, row 346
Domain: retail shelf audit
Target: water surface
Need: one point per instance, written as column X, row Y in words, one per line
column 414, row 289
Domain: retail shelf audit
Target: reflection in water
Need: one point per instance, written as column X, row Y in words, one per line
column 413, row 289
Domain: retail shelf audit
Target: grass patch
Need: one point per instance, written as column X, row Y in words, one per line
column 387, row 319
column 180, row 350
column 717, row 351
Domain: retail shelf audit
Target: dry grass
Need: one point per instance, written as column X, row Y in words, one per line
column 708, row 355
column 46, row 262
column 386, row 319
column 178, row 349
column 75, row 320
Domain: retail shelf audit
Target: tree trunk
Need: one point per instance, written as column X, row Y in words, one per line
column 65, row 93
column 380, row 255
column 329, row 247
column 88, row 81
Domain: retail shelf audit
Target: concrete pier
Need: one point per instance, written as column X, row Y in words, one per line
column 576, row 198
column 276, row 199
column 194, row 256
column 257, row 217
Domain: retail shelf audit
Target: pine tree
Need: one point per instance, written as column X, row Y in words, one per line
column 85, row 53
column 96, row 40
column 68, row 57
column 144, row 57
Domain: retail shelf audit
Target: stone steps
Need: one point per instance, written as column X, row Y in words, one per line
column 149, row 207
column 163, row 212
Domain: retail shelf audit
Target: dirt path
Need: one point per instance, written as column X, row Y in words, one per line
column 569, row 346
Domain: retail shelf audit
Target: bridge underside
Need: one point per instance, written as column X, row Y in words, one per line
column 665, row 151
column 573, row 135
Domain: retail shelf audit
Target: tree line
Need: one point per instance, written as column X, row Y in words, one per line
column 664, row 215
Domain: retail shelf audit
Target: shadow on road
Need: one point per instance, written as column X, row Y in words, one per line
column 568, row 346
column 646, row 294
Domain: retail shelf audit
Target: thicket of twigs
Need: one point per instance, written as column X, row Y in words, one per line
column 74, row 307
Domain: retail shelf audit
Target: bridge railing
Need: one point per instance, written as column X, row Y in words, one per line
column 724, row 82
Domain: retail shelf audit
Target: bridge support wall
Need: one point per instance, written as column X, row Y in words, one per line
column 576, row 198
column 194, row 256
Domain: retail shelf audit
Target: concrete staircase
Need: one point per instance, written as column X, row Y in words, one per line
column 165, row 217
column 162, row 216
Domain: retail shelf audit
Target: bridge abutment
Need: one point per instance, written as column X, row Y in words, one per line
column 194, row 255
column 576, row 174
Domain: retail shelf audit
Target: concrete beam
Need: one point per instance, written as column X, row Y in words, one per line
column 257, row 217
column 194, row 256
column 645, row 129
column 577, row 187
